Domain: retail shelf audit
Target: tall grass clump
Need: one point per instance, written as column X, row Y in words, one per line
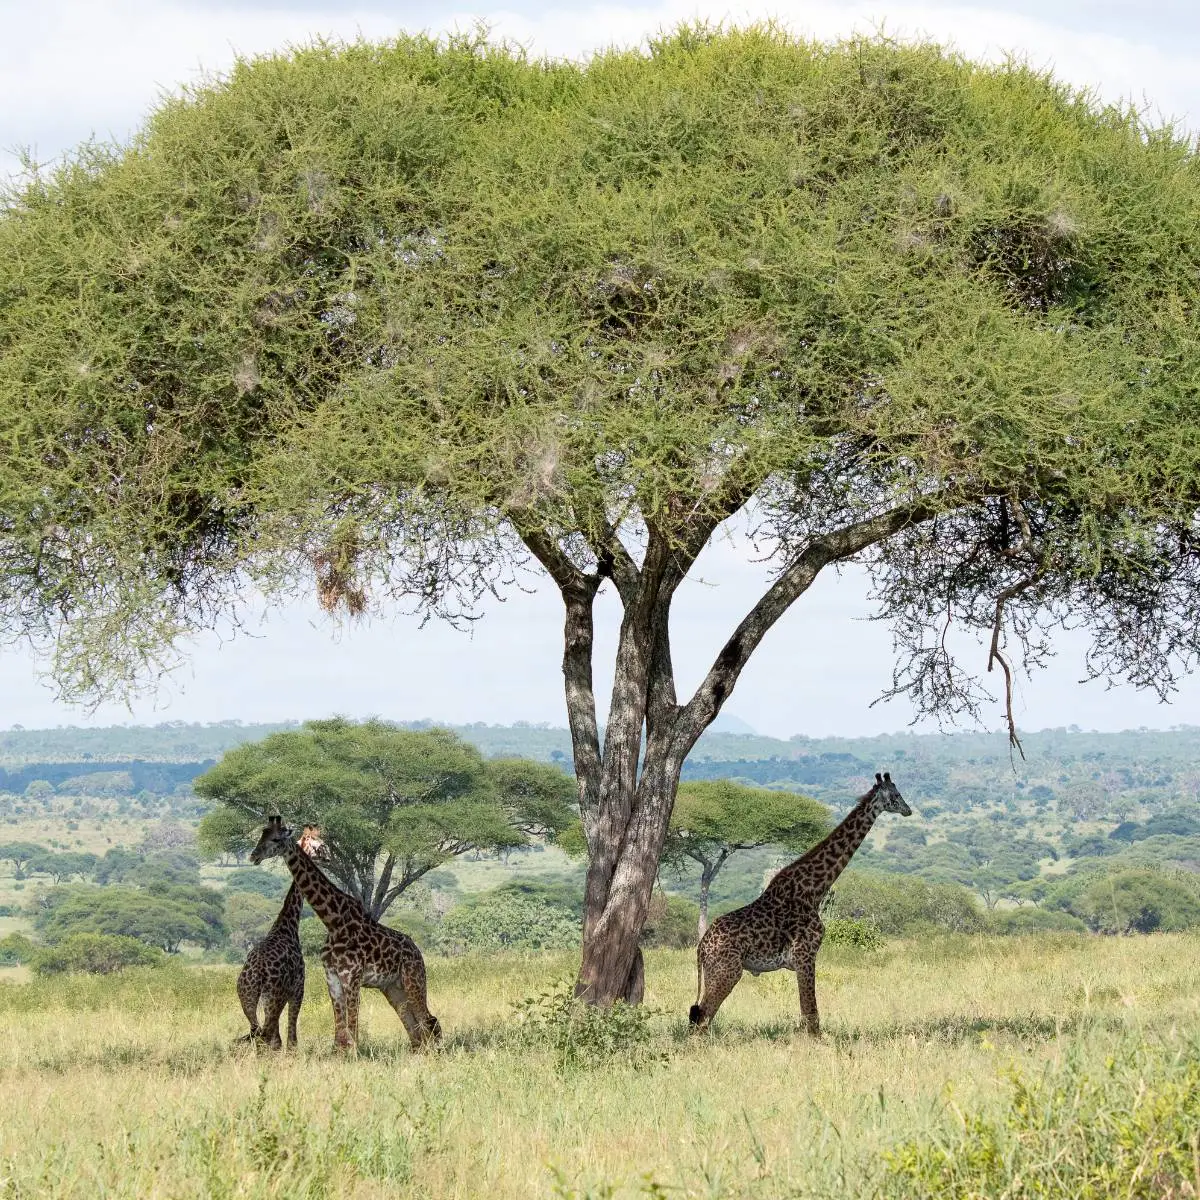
column 1126, row 1126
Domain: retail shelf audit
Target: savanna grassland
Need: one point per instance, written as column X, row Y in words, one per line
column 1030, row 1066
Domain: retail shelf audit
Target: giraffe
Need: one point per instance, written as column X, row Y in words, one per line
column 274, row 968
column 782, row 929
column 358, row 952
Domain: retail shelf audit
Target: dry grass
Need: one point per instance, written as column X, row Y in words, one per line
column 131, row 1087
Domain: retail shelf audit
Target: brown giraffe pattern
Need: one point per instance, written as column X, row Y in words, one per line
column 273, row 974
column 782, row 929
column 359, row 952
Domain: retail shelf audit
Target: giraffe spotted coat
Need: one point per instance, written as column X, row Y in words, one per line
column 359, row 952
column 782, row 929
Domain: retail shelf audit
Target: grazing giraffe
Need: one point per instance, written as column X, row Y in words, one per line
column 274, row 969
column 359, row 952
column 782, row 929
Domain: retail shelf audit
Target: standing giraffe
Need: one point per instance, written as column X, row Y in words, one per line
column 274, row 969
column 359, row 952
column 782, row 929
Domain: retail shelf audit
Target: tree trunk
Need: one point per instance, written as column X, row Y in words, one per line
column 626, row 791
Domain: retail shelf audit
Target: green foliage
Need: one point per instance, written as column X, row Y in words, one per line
column 248, row 916
column 1129, row 901
column 854, row 933
column 15, row 949
column 270, row 884
column 714, row 818
column 657, row 280
column 506, row 919
column 94, row 954
column 901, row 906
column 170, row 867
column 164, row 917
column 392, row 803
column 312, row 936
column 1127, row 1132
column 584, row 1036
column 1034, row 920
column 20, row 854
column 671, row 923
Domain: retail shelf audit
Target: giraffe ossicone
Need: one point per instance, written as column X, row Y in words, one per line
column 782, row 929
column 358, row 952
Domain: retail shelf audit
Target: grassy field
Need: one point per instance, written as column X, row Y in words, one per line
column 132, row 1087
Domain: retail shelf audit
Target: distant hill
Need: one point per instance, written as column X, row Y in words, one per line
column 1148, row 767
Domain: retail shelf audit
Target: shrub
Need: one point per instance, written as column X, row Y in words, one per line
column 312, row 936
column 583, row 1036
column 853, row 932
column 902, row 905
column 1137, row 900
column 1128, row 1132
column 505, row 920
column 1034, row 920
column 257, row 881
column 672, row 922
column 95, row 954
column 15, row 950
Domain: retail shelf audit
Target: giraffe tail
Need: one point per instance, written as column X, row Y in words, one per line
column 696, row 1013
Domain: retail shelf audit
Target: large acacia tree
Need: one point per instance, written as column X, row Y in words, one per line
column 388, row 320
column 392, row 804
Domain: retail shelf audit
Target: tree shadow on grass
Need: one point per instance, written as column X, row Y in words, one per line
column 948, row 1030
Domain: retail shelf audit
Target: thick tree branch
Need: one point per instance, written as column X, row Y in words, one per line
column 578, row 591
column 836, row 546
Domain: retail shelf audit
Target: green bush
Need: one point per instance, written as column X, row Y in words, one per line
column 853, row 932
column 312, row 936
column 94, row 954
column 1128, row 1131
column 15, row 950
column 583, row 1036
column 1133, row 900
column 1034, row 920
column 672, row 923
column 902, row 905
column 505, row 920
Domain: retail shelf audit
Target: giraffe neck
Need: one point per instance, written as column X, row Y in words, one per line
column 331, row 904
column 289, row 914
column 821, row 866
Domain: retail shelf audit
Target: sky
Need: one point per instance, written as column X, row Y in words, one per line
column 75, row 69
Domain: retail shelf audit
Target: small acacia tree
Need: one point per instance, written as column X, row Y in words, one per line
column 395, row 319
column 714, row 819
column 391, row 803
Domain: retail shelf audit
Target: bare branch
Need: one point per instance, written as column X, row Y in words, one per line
column 836, row 546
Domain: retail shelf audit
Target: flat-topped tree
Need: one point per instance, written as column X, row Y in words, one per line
column 393, row 319
column 392, row 803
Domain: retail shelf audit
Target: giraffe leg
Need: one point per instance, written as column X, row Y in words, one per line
column 353, row 997
column 407, row 996
column 338, row 983
column 294, row 1001
column 247, row 990
column 804, row 955
column 270, row 1025
column 719, row 973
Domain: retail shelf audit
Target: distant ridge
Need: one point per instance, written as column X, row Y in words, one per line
column 178, row 741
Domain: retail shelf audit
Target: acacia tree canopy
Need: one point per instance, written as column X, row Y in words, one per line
column 714, row 819
column 392, row 319
column 391, row 803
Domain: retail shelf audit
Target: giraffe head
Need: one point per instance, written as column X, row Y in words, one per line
column 275, row 841
column 312, row 845
column 887, row 795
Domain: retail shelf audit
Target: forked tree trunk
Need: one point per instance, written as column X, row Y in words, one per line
column 627, row 788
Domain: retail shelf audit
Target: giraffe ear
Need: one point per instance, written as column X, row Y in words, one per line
column 887, row 777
